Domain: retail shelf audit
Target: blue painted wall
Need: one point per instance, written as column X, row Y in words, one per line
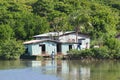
column 36, row 49
column 33, row 49
column 50, row 46
column 64, row 48
column 29, row 48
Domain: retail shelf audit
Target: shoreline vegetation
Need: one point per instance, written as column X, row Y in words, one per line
column 22, row 19
column 11, row 49
column 108, row 49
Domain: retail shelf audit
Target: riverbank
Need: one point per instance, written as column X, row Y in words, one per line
column 95, row 53
column 66, row 57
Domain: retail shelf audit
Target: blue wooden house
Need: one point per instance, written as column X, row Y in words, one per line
column 57, row 43
column 40, row 47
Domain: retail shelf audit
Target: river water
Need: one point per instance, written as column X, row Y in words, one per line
column 59, row 70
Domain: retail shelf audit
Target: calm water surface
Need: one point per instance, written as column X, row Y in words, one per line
column 59, row 70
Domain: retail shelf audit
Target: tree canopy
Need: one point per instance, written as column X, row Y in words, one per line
column 22, row 19
column 26, row 18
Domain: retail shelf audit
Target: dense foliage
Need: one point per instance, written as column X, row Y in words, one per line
column 11, row 49
column 22, row 19
column 31, row 17
column 109, row 50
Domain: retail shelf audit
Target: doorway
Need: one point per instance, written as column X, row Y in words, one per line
column 43, row 49
column 70, row 47
column 59, row 48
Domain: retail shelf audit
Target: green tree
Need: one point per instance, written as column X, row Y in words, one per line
column 34, row 25
column 114, row 47
column 27, row 24
column 43, row 7
column 79, row 21
column 6, row 32
column 103, row 20
column 63, row 7
column 11, row 49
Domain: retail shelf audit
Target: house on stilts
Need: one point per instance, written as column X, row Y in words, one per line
column 57, row 43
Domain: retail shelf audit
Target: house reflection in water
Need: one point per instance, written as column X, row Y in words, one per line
column 35, row 63
column 62, row 69
column 85, row 73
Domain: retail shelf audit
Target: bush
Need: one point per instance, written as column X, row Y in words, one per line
column 80, row 54
column 74, row 54
column 100, row 53
column 114, row 47
column 109, row 50
column 86, row 53
column 11, row 49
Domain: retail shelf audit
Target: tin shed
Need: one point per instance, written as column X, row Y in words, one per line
column 40, row 47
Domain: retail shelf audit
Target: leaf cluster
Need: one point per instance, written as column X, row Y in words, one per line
column 22, row 19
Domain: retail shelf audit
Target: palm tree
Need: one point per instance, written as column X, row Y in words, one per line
column 59, row 24
column 80, row 22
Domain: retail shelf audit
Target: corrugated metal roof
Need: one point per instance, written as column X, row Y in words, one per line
column 49, row 34
column 32, row 41
column 38, row 41
column 53, row 34
column 56, row 34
